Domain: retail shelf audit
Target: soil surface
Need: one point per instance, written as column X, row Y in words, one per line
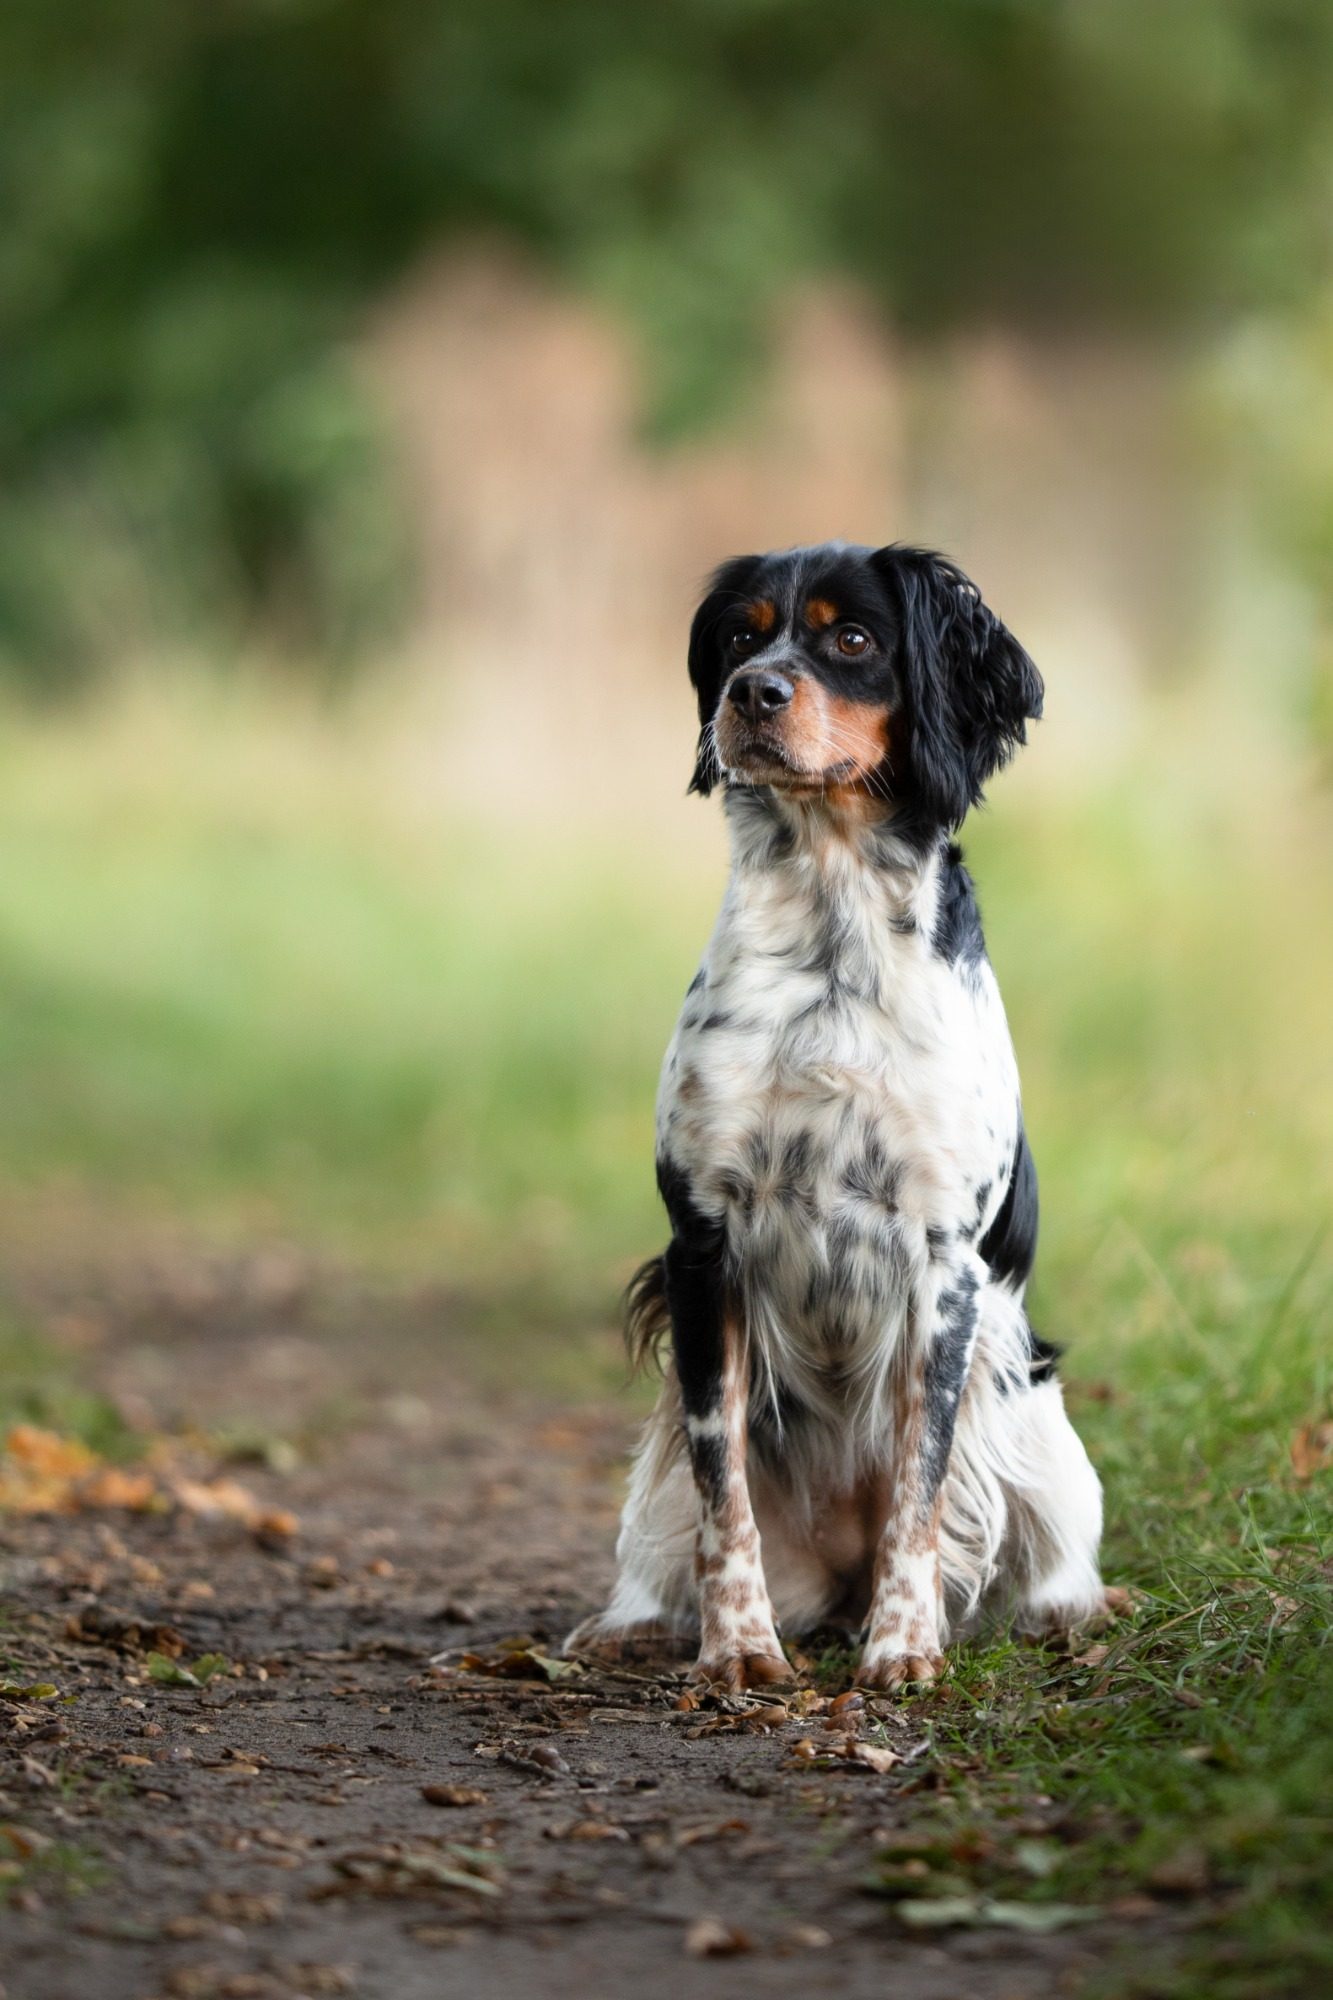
column 331, row 1812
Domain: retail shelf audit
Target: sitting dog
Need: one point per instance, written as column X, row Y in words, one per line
column 856, row 1419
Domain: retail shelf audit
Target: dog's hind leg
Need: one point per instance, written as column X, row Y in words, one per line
column 1055, row 1518
column 1022, row 1505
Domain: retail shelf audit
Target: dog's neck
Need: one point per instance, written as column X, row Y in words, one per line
column 837, row 848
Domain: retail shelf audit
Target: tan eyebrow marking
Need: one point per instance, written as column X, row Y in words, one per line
column 763, row 614
column 820, row 613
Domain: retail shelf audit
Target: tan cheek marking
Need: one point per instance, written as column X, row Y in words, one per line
column 860, row 733
column 805, row 727
column 820, row 613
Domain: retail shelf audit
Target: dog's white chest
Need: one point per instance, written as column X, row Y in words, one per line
column 843, row 1099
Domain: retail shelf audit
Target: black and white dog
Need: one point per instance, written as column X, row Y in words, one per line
column 857, row 1420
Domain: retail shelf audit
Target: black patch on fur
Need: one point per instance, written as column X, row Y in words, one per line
column 874, row 1176
column 947, row 1364
column 957, row 937
column 708, row 1457
column 694, row 1287
column 1010, row 1244
column 795, row 1182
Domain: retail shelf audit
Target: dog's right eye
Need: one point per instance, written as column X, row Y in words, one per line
column 744, row 641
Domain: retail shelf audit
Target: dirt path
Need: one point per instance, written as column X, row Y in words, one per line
column 271, row 1833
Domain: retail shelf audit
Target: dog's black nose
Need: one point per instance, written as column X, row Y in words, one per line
column 760, row 693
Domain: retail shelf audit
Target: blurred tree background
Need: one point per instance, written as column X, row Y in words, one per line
column 203, row 204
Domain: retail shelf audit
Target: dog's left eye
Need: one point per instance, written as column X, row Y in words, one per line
column 853, row 641
column 744, row 641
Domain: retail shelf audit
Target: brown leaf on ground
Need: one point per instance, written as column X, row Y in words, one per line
column 586, row 1829
column 123, row 1632
column 874, row 1756
column 453, row 1795
column 40, row 1471
column 520, row 1663
column 709, row 1937
column 1312, row 1448
column 115, row 1486
column 235, row 1907
column 224, row 1498
column 805, row 1937
column 847, row 1753
column 713, row 1829
column 396, row 1869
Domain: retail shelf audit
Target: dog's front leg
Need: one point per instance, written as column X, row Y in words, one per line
column 904, row 1641
column 739, row 1645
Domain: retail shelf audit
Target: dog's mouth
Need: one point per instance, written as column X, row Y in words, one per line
column 761, row 757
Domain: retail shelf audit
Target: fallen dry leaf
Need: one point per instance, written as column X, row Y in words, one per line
column 586, row 1829
column 123, row 1631
column 396, row 1870
column 806, row 1937
column 453, row 1795
column 713, row 1829
column 114, row 1486
column 1312, row 1448
column 709, row 1937
column 845, row 1753
column 237, row 1907
column 522, row 1663
column 41, row 1471
column 225, row 1498
column 874, row 1756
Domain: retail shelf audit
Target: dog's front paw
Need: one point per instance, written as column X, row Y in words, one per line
column 884, row 1671
column 735, row 1671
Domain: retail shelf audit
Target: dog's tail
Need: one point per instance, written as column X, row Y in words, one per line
column 647, row 1320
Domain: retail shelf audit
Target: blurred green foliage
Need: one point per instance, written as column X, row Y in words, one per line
column 200, row 203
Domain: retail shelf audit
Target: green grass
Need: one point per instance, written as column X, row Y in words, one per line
column 254, row 984
column 1201, row 1739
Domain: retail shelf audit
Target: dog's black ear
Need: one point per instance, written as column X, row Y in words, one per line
column 969, row 689
column 726, row 588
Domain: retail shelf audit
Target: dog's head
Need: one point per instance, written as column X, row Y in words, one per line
column 850, row 670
